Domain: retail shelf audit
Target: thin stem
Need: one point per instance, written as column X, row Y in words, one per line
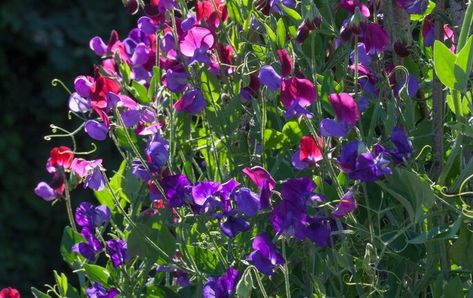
column 286, row 271
column 260, row 282
column 68, row 203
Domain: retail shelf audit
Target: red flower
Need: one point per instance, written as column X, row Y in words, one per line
column 61, row 157
column 9, row 293
column 100, row 88
column 206, row 11
column 310, row 151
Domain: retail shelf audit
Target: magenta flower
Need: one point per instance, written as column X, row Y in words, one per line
column 345, row 108
column 196, row 44
column 350, row 5
column 191, row 102
column 374, row 37
column 259, row 176
column 347, row 205
column 265, row 256
column 223, row 286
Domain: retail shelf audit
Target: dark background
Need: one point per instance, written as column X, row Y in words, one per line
column 39, row 41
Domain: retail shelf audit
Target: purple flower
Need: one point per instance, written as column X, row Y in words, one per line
column 300, row 191
column 333, row 128
column 83, row 167
column 269, row 77
column 204, row 192
column 96, row 130
column 265, row 255
column 130, row 117
column 297, row 90
column 369, row 168
column 44, row 191
column 140, row 55
column 374, row 37
column 403, row 146
column 318, row 230
column 176, row 80
column 347, row 205
column 97, row 45
column 288, row 218
column 168, row 42
column 139, row 170
column 83, row 85
column 196, row 44
column 95, row 180
column 177, row 189
column 189, row 22
column 350, row 5
column 157, row 152
column 118, row 251
column 248, row 202
column 363, row 57
column 79, row 104
column 223, row 286
column 90, row 248
column 88, row 216
column 296, row 110
column 413, row 6
column 234, row 225
column 147, row 25
column 192, row 102
column 345, row 108
column 98, row 291
column 347, row 158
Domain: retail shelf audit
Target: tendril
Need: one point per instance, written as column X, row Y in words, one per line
column 55, row 82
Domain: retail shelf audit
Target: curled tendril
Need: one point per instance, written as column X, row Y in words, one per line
column 94, row 148
column 422, row 151
column 55, row 82
column 65, row 134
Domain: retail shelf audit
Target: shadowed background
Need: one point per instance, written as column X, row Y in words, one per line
column 39, row 41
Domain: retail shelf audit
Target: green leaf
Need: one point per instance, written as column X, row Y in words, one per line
column 38, row 294
column 270, row 33
column 105, row 196
column 139, row 91
column 461, row 252
column 292, row 13
column 210, row 86
column 154, row 83
column 159, row 292
column 206, row 260
column 124, row 69
column 454, row 288
column 292, row 131
column 69, row 238
column 153, row 228
column 274, row 139
column 245, row 285
column 234, row 11
column 281, row 33
column 412, row 192
column 61, row 281
column 444, row 63
column 439, row 233
column 421, row 17
column 97, row 274
column 463, row 64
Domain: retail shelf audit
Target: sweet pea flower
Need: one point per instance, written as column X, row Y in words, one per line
column 79, row 104
column 147, row 25
column 276, row 5
column 60, row 157
column 45, row 191
column 233, row 225
column 88, row 216
column 347, row 114
column 196, row 44
column 402, row 146
column 223, row 286
column 90, row 247
column 248, row 202
column 350, row 5
column 413, row 6
column 118, row 251
column 157, row 153
column 265, row 256
column 347, row 205
column 175, row 80
column 206, row 12
column 98, row 291
column 9, row 293
column 374, row 37
column 428, row 33
column 177, row 189
column 191, row 102
column 258, row 175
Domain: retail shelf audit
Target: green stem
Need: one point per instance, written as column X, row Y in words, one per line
column 466, row 26
column 286, row 271
column 68, row 203
column 260, row 283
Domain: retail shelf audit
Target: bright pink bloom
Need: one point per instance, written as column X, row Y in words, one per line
column 60, row 157
column 345, row 107
column 297, row 89
column 259, row 176
column 286, row 62
column 9, row 293
column 206, row 11
column 309, row 150
column 196, row 43
column 350, row 5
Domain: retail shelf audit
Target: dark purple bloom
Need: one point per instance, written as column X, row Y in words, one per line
column 296, row 110
column 318, row 230
column 300, row 191
column 83, row 85
column 168, row 42
column 276, row 5
column 223, row 286
column 265, row 255
column 269, row 77
column 96, row 130
column 333, row 128
column 286, row 62
column 350, row 5
column 45, row 191
column 205, row 191
column 118, row 251
column 140, row 55
column 297, row 162
column 374, row 37
column 90, row 248
column 347, row 205
column 288, row 218
column 413, row 6
column 147, row 25
column 88, row 216
column 176, row 81
column 188, row 23
column 98, row 291
column 95, row 180
column 157, row 152
column 369, row 168
column 347, row 158
column 234, row 225
column 177, row 189
column 402, row 145
column 412, row 85
column 248, row 202
column 192, row 102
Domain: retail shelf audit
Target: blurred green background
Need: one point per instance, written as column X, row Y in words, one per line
column 39, row 41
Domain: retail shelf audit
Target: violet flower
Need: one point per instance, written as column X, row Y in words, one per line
column 95, row 180
column 192, row 102
column 90, row 247
column 96, row 130
column 45, row 191
column 196, row 44
column 265, row 256
column 248, row 202
column 347, row 205
column 223, row 286
column 98, row 291
column 88, row 216
column 402, row 146
column 232, row 225
column 118, row 251
column 413, row 6
column 157, row 153
column 177, row 189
